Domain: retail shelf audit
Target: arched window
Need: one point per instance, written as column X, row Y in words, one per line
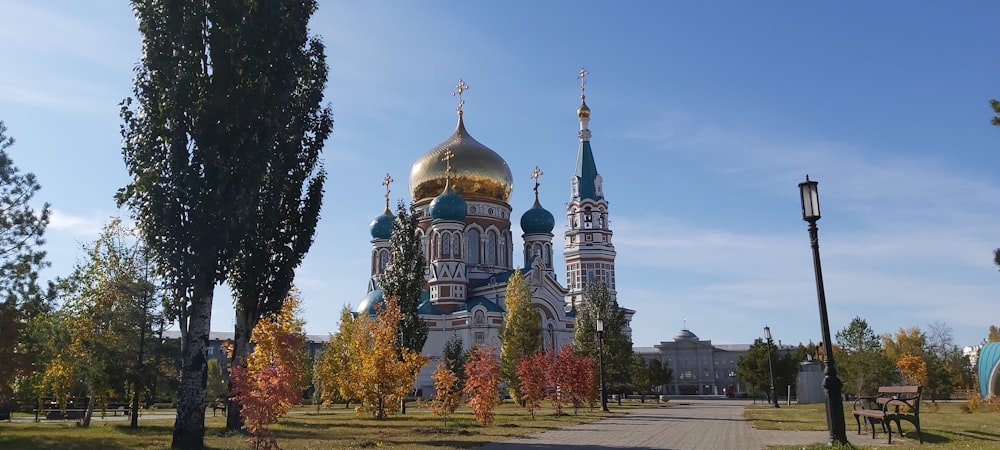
column 480, row 318
column 446, row 245
column 491, row 248
column 456, row 245
column 383, row 260
column 545, row 254
column 473, row 244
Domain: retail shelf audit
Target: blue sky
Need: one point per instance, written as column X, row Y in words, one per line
column 706, row 116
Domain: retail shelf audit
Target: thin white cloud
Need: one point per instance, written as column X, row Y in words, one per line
column 79, row 226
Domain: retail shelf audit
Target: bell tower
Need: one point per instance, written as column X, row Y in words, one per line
column 588, row 252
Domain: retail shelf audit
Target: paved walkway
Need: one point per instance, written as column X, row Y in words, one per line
column 686, row 425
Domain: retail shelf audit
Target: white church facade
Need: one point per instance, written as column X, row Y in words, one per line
column 461, row 188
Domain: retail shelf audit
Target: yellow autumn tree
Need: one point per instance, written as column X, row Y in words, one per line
column 446, row 394
column 383, row 372
column 914, row 369
column 335, row 366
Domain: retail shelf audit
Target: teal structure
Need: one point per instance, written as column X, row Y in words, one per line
column 989, row 370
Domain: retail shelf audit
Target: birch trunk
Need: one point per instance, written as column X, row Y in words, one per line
column 189, row 427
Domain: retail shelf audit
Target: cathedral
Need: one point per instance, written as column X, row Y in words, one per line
column 461, row 189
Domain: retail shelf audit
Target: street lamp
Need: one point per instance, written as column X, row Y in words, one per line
column 834, row 400
column 770, row 366
column 600, row 358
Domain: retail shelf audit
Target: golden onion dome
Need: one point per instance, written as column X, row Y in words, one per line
column 584, row 111
column 477, row 171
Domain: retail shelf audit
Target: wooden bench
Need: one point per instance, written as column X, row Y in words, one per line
column 892, row 404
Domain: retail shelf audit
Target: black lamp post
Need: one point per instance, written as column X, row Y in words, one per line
column 600, row 359
column 834, row 400
column 770, row 366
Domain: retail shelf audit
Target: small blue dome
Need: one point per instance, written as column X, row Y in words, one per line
column 448, row 206
column 371, row 303
column 381, row 227
column 537, row 220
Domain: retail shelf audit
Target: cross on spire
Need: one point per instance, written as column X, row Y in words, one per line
column 583, row 81
column 535, row 174
column 386, row 182
column 459, row 89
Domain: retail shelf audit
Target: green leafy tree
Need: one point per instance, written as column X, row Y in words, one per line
column 21, row 230
column 293, row 127
column 521, row 335
column 862, row 364
column 597, row 302
column 455, row 357
column 660, row 374
column 404, row 276
column 996, row 112
column 752, row 368
column 215, row 82
column 108, row 321
column 640, row 377
column 217, row 387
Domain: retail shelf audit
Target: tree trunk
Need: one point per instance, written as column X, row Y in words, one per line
column 137, row 380
column 189, row 427
column 241, row 349
column 85, row 422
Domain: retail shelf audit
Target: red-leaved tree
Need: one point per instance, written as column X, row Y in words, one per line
column 531, row 371
column 482, row 383
column 274, row 376
column 579, row 384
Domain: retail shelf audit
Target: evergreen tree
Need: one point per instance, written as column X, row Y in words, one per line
column 597, row 302
column 21, row 230
column 217, row 97
column 521, row 334
column 861, row 361
column 403, row 278
column 455, row 357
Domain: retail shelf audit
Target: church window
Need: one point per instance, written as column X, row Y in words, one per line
column 473, row 243
column 491, row 248
column 480, row 337
column 480, row 318
column 446, row 245
column 383, row 260
column 545, row 255
column 599, row 186
column 211, row 351
column 600, row 221
column 456, row 245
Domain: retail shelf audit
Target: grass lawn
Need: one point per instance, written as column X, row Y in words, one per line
column 947, row 428
column 304, row 428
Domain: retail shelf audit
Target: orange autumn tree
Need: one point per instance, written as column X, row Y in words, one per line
column 276, row 373
column 531, row 371
column 482, row 383
column 383, row 372
column 446, row 394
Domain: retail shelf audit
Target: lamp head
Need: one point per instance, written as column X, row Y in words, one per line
column 767, row 332
column 810, row 200
column 600, row 325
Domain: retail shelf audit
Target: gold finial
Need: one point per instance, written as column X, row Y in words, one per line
column 535, row 174
column 583, row 81
column 459, row 89
column 385, row 182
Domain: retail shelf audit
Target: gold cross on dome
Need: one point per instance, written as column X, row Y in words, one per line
column 459, row 89
column 385, row 182
column 448, row 155
column 535, row 174
column 583, row 81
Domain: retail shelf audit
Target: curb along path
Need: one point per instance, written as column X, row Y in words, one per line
column 687, row 424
